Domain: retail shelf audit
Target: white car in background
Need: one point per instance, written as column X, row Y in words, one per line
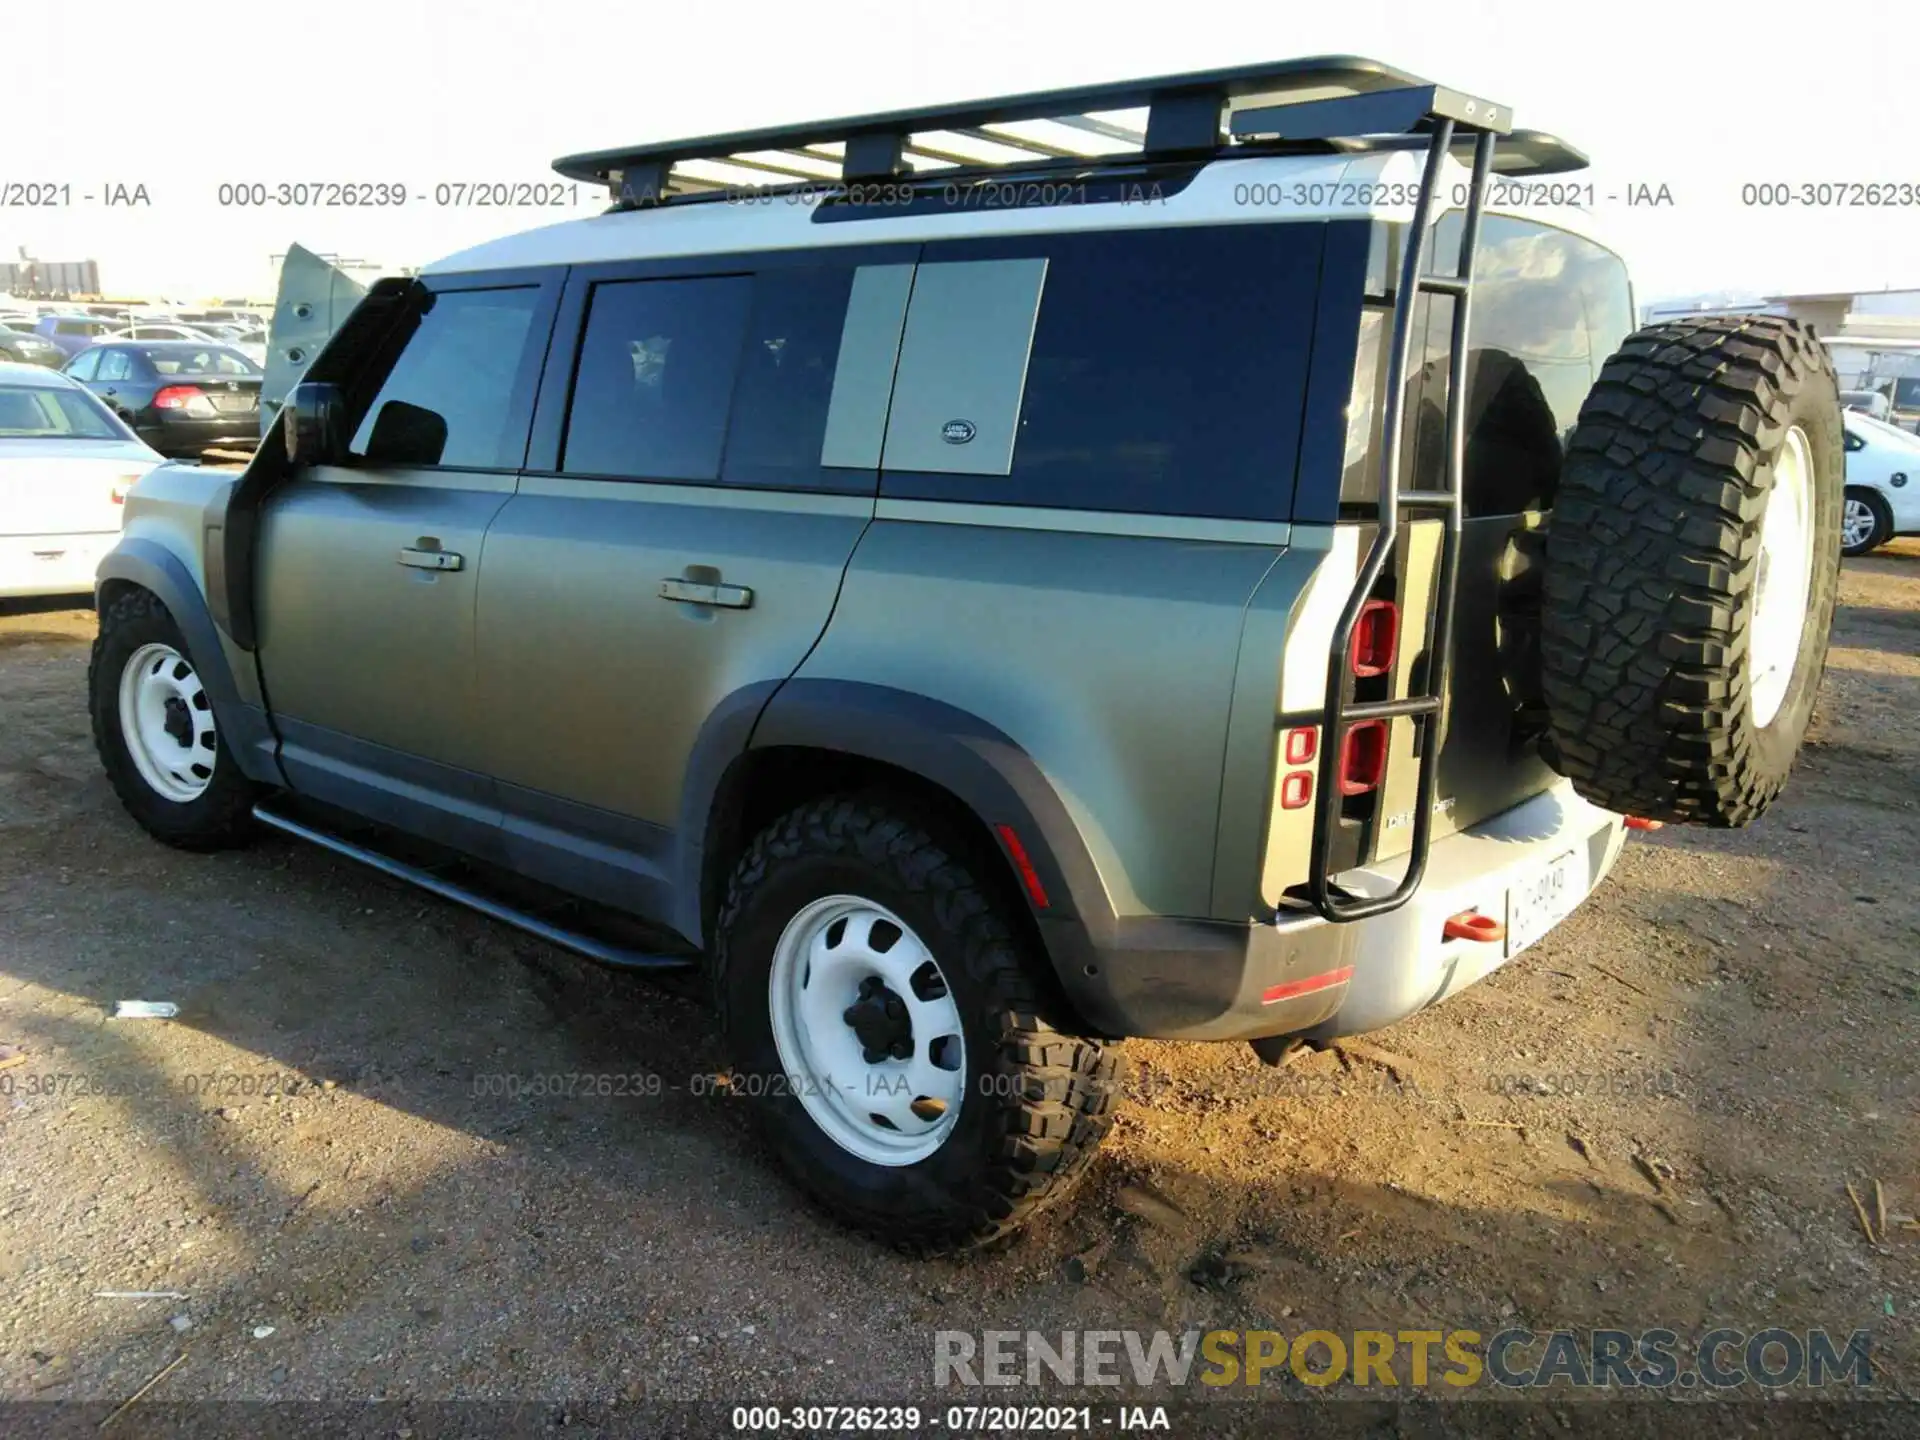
column 66, row 463
column 1883, row 484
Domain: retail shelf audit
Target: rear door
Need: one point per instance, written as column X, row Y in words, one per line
column 367, row 569
column 704, row 461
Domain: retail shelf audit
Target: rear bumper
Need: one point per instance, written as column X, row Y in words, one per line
column 1212, row 980
column 52, row 564
column 190, row 437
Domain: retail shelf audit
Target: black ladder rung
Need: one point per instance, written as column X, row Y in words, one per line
column 1392, row 709
column 1443, row 285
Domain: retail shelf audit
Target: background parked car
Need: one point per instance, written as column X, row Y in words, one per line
column 66, row 463
column 165, row 330
column 1883, row 484
column 180, row 396
column 20, row 346
column 73, row 333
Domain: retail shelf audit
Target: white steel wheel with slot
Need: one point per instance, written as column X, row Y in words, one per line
column 867, row 1029
column 167, row 721
column 157, row 730
column 1784, row 578
column 894, row 1029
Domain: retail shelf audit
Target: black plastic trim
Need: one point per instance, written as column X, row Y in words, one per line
column 137, row 560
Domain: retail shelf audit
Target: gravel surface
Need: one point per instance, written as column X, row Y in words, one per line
column 1650, row 1120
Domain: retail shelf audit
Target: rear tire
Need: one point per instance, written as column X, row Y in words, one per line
column 154, row 727
column 841, row 891
column 1867, row 522
column 1692, row 564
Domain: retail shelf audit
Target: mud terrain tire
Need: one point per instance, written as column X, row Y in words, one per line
column 1704, row 478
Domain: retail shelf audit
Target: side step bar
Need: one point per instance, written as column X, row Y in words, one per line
column 573, row 940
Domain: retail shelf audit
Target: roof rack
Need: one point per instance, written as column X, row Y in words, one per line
column 1325, row 103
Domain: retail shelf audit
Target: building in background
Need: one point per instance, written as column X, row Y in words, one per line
column 30, row 279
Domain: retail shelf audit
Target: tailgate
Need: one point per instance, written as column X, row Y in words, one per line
column 1490, row 757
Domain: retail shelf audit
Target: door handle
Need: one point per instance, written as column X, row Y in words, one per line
column 432, row 559
column 694, row 592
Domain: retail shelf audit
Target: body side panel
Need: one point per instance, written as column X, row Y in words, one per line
column 1046, row 636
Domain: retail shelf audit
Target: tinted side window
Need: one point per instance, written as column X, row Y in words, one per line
column 1549, row 308
column 84, row 364
column 780, row 402
column 1167, row 373
column 116, row 365
column 655, row 376
column 449, row 397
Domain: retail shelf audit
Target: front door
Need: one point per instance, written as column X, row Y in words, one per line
column 367, row 568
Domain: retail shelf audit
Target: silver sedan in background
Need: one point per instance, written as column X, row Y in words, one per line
column 66, row 463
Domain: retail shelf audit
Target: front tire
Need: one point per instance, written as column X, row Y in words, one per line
column 883, row 1023
column 155, row 730
column 1867, row 522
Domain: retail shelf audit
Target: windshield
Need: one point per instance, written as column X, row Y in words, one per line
column 210, row 361
column 42, row 412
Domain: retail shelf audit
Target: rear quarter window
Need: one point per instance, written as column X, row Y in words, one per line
column 1167, row 373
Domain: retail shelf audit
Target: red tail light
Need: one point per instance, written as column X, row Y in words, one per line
column 1363, row 757
column 1302, row 744
column 1376, row 634
column 179, row 397
column 1296, row 790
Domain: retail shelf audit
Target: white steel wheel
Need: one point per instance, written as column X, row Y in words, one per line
column 1784, row 582
column 1856, row 523
column 167, row 722
column 867, row 1031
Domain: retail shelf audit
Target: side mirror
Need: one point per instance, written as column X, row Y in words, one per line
column 313, row 418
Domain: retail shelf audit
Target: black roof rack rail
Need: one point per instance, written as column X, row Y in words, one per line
column 1198, row 115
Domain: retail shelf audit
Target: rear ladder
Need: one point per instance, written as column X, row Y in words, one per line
column 1427, row 710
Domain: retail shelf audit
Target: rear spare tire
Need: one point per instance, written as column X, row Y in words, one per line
column 1692, row 562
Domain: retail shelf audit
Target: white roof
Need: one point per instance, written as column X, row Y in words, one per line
column 1263, row 189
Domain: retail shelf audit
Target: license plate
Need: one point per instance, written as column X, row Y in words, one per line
column 1542, row 900
column 233, row 402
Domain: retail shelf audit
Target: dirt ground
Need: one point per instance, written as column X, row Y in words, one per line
column 1649, row 1120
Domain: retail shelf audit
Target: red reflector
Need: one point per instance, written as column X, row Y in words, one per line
column 1306, row 986
column 1302, row 745
column 1363, row 757
column 1296, row 790
column 1028, row 875
column 1375, row 635
column 1472, row 925
column 1634, row 822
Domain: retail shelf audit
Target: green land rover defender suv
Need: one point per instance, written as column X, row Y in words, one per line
column 1205, row 557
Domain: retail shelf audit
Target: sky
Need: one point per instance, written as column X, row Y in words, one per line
column 1704, row 99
